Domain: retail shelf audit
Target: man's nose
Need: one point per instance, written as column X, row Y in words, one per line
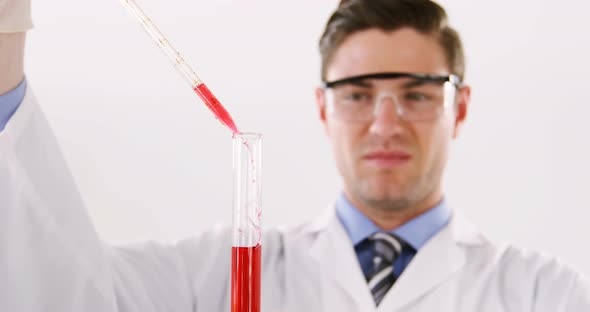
column 387, row 120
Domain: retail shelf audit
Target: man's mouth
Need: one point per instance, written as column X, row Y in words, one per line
column 387, row 158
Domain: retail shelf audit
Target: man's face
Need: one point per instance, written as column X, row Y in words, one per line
column 389, row 162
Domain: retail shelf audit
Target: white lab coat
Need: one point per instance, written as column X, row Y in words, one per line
column 52, row 260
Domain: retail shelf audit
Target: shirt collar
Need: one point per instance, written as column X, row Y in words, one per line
column 10, row 101
column 415, row 232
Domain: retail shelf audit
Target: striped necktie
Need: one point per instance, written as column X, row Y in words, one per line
column 387, row 248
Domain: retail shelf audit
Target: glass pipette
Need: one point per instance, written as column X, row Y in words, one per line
column 181, row 66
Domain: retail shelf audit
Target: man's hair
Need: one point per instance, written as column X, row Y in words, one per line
column 424, row 16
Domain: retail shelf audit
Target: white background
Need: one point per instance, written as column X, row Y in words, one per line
column 152, row 163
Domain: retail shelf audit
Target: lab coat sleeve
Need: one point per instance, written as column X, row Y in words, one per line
column 150, row 277
column 190, row 275
column 579, row 295
column 51, row 258
column 193, row 274
column 207, row 258
column 559, row 287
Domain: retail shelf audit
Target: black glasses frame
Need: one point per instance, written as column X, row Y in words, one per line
column 454, row 79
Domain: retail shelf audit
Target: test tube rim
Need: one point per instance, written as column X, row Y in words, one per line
column 248, row 135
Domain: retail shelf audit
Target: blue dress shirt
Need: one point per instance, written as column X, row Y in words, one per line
column 415, row 232
column 10, row 101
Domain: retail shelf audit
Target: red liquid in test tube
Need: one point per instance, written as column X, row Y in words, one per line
column 247, row 235
column 245, row 277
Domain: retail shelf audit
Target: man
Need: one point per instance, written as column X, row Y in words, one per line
column 392, row 101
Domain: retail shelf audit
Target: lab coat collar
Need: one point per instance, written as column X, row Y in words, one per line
column 19, row 120
column 335, row 254
column 438, row 260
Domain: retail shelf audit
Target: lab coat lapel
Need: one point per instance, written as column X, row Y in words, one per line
column 436, row 261
column 335, row 253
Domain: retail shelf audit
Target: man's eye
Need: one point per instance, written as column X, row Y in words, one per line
column 417, row 96
column 357, row 97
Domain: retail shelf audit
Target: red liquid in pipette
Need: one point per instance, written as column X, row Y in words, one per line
column 215, row 106
column 245, row 279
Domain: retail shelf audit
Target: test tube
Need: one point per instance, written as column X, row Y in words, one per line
column 247, row 234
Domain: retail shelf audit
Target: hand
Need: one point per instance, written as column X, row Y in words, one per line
column 15, row 16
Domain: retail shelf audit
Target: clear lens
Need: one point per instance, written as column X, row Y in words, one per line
column 415, row 99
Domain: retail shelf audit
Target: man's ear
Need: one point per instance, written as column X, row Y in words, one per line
column 320, row 100
column 463, row 101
